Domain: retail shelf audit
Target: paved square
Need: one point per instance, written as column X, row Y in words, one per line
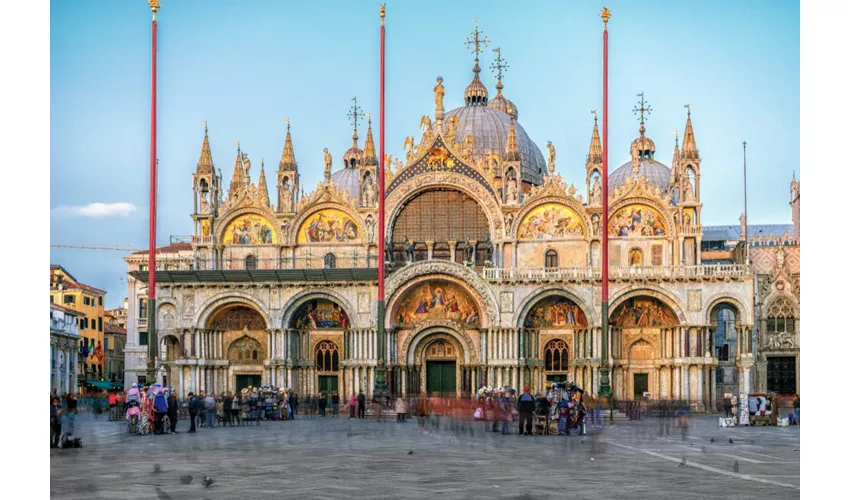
column 340, row 458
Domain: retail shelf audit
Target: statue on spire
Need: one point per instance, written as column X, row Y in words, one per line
column 551, row 158
column 328, row 165
column 439, row 92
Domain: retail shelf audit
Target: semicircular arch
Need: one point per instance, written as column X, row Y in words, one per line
column 532, row 300
column 718, row 301
column 299, row 299
column 451, row 329
column 653, row 204
column 645, row 290
column 331, row 207
column 570, row 203
column 211, row 306
column 400, row 281
column 413, row 187
column 233, row 216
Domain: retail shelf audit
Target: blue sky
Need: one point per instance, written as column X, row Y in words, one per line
column 245, row 66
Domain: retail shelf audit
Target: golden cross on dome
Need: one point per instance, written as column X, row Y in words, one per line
column 476, row 40
column 205, row 125
column 644, row 108
column 499, row 65
column 356, row 113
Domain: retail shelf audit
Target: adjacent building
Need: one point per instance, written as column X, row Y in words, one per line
column 64, row 349
column 87, row 301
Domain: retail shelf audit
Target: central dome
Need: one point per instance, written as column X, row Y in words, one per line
column 489, row 129
column 657, row 174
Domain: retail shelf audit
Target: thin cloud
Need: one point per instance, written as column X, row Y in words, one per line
column 96, row 210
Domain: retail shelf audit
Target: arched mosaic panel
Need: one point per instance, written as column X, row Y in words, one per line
column 637, row 220
column 434, row 300
column 320, row 314
column 551, row 220
column 250, row 229
column 328, row 226
column 555, row 312
column 642, row 312
column 237, row 318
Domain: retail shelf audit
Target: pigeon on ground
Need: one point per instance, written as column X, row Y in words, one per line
column 186, row 479
column 207, row 481
column 730, row 441
column 712, row 440
column 683, row 462
column 410, row 452
column 735, row 467
column 157, row 468
column 161, row 495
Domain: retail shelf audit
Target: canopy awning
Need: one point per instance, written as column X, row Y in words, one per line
column 105, row 384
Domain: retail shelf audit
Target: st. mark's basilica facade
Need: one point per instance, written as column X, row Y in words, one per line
column 493, row 272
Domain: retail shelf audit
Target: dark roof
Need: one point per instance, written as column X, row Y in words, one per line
column 726, row 233
column 82, row 286
column 172, row 248
column 114, row 329
column 262, row 275
column 57, row 267
column 64, row 309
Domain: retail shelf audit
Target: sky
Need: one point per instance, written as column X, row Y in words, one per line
column 245, row 66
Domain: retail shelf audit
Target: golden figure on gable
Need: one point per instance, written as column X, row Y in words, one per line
column 328, row 226
column 437, row 300
column 551, row 220
column 250, row 229
column 554, row 312
column 636, row 220
column 644, row 312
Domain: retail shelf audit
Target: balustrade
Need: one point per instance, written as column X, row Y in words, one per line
column 617, row 273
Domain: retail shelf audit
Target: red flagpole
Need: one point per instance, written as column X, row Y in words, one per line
column 604, row 382
column 381, row 386
column 152, row 338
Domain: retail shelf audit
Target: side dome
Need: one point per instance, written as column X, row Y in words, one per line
column 657, row 174
column 348, row 179
column 489, row 129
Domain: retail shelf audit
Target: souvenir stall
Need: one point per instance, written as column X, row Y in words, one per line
column 761, row 408
column 567, row 408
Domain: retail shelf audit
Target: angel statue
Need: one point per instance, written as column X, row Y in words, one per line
column 328, row 165
column 425, row 124
column 551, row 157
column 409, row 147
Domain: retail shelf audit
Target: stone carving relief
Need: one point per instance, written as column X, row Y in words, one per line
column 364, row 302
column 694, row 300
column 188, row 305
column 779, row 341
column 506, row 300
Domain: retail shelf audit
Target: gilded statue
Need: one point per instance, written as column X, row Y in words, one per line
column 425, row 124
column 409, row 146
column 328, row 165
column 439, row 92
column 634, row 153
column 247, row 163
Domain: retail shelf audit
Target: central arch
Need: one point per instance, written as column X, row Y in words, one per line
column 438, row 354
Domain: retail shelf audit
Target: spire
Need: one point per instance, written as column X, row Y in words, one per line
column 237, row 179
column 205, row 163
column 512, row 147
column 287, row 159
column 500, row 102
column 674, row 166
column 261, row 185
column 594, row 154
column 689, row 143
column 476, row 92
column 369, row 155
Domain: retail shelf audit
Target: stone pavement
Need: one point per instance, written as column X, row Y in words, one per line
column 363, row 459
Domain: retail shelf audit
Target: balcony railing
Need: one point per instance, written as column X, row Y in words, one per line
column 141, row 323
column 63, row 326
column 690, row 229
column 618, row 273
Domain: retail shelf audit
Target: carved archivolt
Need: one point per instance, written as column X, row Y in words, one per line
column 347, row 208
column 539, row 294
column 297, row 300
column 646, row 290
column 449, row 329
column 447, row 180
column 556, row 197
column 741, row 314
column 209, row 307
column 432, row 269
column 242, row 208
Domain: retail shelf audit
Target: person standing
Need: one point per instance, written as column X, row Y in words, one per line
column 55, row 421
column 525, row 405
column 542, row 410
column 400, row 409
column 335, row 403
column 209, row 407
column 495, row 410
column 507, row 412
column 797, row 409
column 361, row 405
column 352, row 405
column 194, row 407
column 323, row 403
column 235, row 409
column 173, row 406
column 71, row 412
column 727, row 406
column 227, row 409
column 293, row 405
column 160, row 408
